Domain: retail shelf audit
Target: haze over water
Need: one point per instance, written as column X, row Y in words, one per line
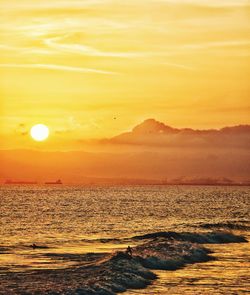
column 69, row 222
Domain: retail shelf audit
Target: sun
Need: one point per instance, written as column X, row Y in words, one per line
column 39, row 132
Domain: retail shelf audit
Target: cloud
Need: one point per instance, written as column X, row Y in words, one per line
column 57, row 68
column 25, row 50
column 33, row 4
column 218, row 44
column 73, row 124
column 22, row 129
column 209, row 3
column 27, row 4
column 179, row 66
column 87, row 50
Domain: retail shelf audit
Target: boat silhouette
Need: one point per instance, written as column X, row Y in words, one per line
column 54, row 182
column 9, row 181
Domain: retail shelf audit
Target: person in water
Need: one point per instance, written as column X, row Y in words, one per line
column 129, row 251
column 34, row 246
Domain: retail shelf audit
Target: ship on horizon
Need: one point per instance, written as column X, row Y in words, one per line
column 54, row 182
column 9, row 181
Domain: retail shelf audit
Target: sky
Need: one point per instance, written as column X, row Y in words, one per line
column 96, row 68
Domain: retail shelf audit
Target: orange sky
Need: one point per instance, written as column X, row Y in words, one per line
column 77, row 65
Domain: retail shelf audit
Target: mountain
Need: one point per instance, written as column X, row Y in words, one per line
column 154, row 133
column 151, row 126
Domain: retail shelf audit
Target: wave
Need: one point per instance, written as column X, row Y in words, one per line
column 226, row 225
column 113, row 273
column 109, row 274
column 200, row 238
column 105, row 240
column 3, row 250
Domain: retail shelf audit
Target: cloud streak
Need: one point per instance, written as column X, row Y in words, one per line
column 57, row 68
column 50, row 4
column 218, row 44
column 87, row 50
column 209, row 3
column 179, row 66
column 90, row 3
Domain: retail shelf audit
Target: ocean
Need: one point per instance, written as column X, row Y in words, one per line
column 184, row 239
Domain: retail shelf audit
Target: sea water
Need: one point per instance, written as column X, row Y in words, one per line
column 185, row 239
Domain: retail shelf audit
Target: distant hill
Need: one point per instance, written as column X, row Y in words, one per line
column 152, row 132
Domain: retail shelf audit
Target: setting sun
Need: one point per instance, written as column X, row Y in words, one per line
column 39, row 132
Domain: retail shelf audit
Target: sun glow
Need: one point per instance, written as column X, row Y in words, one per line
column 39, row 132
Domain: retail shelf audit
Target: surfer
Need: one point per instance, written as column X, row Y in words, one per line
column 34, row 246
column 129, row 251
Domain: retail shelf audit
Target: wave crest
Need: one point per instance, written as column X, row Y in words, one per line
column 200, row 238
column 226, row 225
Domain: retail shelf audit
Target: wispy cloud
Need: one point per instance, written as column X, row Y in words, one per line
column 26, row 50
column 179, row 66
column 57, row 68
column 87, row 50
column 31, row 4
column 218, row 44
column 211, row 3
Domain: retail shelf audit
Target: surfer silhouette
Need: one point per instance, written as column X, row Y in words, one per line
column 129, row 251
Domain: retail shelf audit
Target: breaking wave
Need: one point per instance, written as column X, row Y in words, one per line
column 109, row 274
column 226, row 225
column 200, row 238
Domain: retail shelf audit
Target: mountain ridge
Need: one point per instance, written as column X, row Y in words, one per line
column 155, row 125
column 153, row 132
